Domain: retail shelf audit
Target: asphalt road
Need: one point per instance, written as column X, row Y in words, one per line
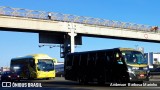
column 62, row 84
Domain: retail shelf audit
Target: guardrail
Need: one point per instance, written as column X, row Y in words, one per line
column 19, row 12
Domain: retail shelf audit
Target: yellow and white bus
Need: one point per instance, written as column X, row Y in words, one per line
column 35, row 66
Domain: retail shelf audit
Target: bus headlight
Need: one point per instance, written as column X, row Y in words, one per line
column 145, row 68
column 38, row 73
column 9, row 76
column 130, row 70
column 136, row 68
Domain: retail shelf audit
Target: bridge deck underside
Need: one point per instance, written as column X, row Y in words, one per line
column 38, row 25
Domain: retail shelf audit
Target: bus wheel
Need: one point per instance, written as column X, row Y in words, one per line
column 47, row 78
column 30, row 78
column 82, row 80
column 101, row 81
column 147, row 79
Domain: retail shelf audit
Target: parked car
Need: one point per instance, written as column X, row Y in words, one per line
column 0, row 74
column 9, row 76
column 60, row 74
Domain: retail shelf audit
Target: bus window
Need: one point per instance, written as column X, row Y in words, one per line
column 100, row 59
column 84, row 60
column 76, row 60
column 109, row 56
column 45, row 64
column 32, row 62
column 41, row 66
column 92, row 59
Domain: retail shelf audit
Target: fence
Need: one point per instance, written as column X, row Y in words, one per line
column 18, row 12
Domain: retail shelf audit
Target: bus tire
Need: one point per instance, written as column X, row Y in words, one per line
column 47, row 78
column 30, row 78
column 82, row 80
column 147, row 79
column 101, row 81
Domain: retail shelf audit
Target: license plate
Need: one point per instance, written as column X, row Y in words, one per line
column 141, row 75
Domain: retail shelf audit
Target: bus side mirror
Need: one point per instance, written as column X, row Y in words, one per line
column 118, row 58
column 38, row 69
column 145, row 56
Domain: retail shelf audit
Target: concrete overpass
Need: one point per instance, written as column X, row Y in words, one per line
column 23, row 24
column 16, row 19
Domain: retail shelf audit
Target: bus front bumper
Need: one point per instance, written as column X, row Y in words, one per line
column 138, row 77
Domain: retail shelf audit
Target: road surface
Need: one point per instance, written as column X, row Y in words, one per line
column 59, row 83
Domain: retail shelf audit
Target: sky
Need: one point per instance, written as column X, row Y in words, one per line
column 14, row 44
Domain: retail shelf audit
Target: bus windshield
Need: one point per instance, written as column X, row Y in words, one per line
column 133, row 57
column 45, row 65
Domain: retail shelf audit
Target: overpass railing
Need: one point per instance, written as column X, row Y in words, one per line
column 19, row 12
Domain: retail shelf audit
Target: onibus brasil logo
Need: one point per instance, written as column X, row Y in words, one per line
column 14, row 84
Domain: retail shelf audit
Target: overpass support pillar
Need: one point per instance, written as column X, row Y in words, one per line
column 72, row 35
column 69, row 42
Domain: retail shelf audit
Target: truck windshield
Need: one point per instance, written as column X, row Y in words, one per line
column 45, row 65
column 133, row 57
